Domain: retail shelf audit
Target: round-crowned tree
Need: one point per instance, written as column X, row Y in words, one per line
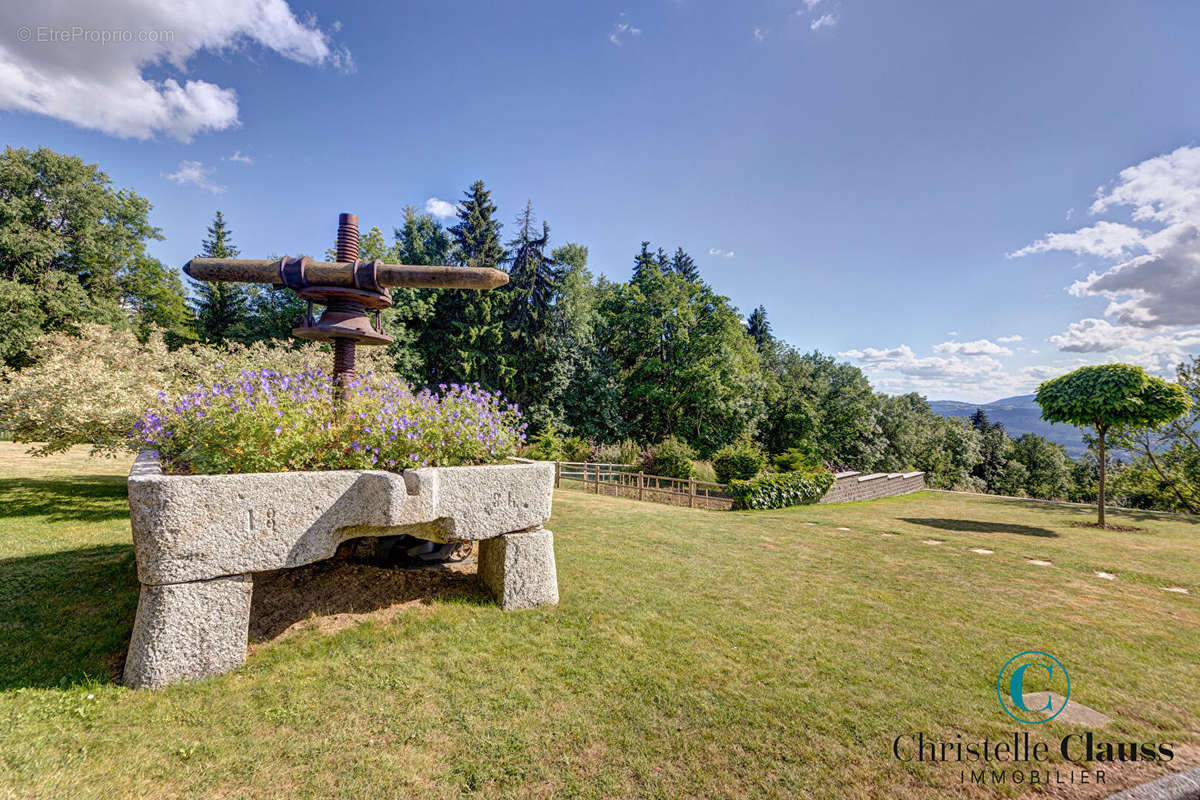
column 1102, row 396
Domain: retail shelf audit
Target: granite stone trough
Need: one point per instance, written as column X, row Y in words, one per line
column 200, row 538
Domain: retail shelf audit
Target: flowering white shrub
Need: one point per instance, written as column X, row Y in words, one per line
column 92, row 389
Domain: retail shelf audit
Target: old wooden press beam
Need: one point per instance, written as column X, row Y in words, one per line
column 348, row 288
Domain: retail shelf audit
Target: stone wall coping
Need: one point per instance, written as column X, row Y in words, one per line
column 198, row 527
column 911, row 474
column 849, row 474
column 872, row 476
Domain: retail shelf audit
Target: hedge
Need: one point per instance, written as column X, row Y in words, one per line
column 781, row 490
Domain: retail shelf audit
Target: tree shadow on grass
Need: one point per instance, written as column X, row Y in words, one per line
column 65, row 617
column 974, row 526
column 338, row 593
column 83, row 498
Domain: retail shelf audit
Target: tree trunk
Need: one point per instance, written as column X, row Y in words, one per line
column 1103, row 471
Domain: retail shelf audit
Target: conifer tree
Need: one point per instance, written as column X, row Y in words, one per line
column 643, row 262
column 684, row 266
column 464, row 338
column 759, row 328
column 220, row 306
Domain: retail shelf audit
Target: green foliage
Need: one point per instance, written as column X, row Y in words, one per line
column 1047, row 467
column 703, row 471
column 781, row 490
column 221, row 307
column 795, row 459
column 548, row 445
column 59, row 214
column 686, row 364
column 759, row 329
column 671, row 458
column 822, row 406
column 741, row 461
column 154, row 293
column 1165, row 473
column 1111, row 395
column 464, row 339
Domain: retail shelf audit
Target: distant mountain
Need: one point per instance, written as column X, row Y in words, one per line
column 1019, row 415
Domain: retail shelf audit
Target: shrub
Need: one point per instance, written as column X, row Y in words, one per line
column 268, row 422
column 545, row 445
column 741, row 461
column 703, row 471
column 576, row 448
column 92, row 388
column 671, row 458
column 626, row 452
column 781, row 490
column 796, row 460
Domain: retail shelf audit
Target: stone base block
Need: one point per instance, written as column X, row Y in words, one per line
column 518, row 569
column 185, row 631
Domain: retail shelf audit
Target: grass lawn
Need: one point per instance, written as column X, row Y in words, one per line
column 694, row 654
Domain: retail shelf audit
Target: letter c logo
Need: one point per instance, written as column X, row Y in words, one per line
column 1015, row 669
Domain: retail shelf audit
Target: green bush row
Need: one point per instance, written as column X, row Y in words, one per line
column 782, row 489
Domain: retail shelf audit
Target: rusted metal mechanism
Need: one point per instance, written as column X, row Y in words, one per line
column 348, row 289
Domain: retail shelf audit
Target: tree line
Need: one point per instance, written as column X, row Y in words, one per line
column 593, row 362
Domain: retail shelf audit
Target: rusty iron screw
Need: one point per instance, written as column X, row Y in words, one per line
column 343, row 349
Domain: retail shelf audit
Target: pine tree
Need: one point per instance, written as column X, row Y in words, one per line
column 643, row 262
column 220, row 306
column 464, row 338
column 541, row 370
column 980, row 422
column 759, row 328
column 684, row 266
column 477, row 234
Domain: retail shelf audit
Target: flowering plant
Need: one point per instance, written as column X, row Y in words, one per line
column 264, row 421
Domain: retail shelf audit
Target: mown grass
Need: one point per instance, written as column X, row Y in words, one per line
column 694, row 654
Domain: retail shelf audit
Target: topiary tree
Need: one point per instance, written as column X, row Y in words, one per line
column 1110, row 394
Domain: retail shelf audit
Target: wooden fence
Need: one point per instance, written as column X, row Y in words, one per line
column 621, row 480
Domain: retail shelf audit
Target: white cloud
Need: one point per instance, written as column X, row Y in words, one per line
column 239, row 157
column 440, row 208
column 809, row 5
column 760, row 34
column 824, row 21
column 1090, row 336
column 1159, row 288
column 1157, row 352
column 899, row 369
column 621, row 31
column 194, row 173
column 979, row 347
column 1010, row 339
column 85, row 63
column 1104, row 239
column 719, row 253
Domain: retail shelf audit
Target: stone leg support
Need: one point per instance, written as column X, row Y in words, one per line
column 518, row 569
column 185, row 631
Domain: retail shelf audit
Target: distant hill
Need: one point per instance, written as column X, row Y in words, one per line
column 1019, row 415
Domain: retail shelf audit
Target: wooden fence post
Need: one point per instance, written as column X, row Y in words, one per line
column 557, row 474
column 691, row 492
column 641, row 483
column 597, row 479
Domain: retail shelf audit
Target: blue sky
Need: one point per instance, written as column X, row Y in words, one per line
column 878, row 174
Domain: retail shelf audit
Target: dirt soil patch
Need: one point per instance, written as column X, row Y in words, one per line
column 333, row 595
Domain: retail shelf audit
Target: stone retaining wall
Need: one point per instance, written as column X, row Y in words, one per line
column 850, row 486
